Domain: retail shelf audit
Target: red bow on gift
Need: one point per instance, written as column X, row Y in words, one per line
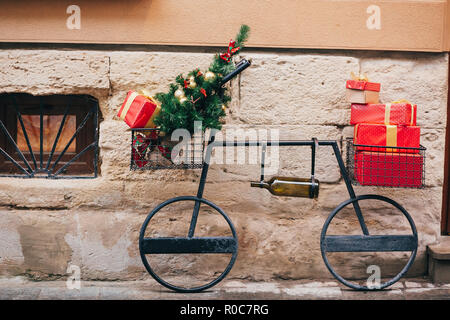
column 231, row 50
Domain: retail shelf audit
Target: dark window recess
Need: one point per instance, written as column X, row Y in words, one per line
column 52, row 136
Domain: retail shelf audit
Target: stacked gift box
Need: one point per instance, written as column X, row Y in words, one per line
column 386, row 139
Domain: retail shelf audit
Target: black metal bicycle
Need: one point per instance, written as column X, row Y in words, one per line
column 189, row 251
column 161, row 244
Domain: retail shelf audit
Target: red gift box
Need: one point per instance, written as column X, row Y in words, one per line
column 387, row 135
column 404, row 113
column 363, row 85
column 389, row 169
column 359, row 91
column 139, row 111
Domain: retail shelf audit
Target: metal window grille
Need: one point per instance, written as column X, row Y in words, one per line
column 386, row 166
column 52, row 136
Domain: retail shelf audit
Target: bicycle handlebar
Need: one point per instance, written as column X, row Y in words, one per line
column 241, row 66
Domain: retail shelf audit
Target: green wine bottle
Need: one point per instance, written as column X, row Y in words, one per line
column 290, row 187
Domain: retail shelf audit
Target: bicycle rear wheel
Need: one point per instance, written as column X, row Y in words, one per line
column 182, row 263
column 369, row 251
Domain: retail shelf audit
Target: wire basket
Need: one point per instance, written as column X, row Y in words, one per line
column 150, row 151
column 396, row 167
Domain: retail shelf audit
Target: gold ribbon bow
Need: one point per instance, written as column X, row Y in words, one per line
column 402, row 101
column 359, row 77
column 146, row 93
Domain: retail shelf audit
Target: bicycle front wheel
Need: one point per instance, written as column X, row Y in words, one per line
column 369, row 261
column 186, row 263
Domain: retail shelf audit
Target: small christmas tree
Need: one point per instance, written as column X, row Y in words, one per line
column 199, row 96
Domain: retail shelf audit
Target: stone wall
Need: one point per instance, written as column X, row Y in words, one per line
column 46, row 225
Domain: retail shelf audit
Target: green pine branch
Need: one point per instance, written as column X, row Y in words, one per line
column 195, row 106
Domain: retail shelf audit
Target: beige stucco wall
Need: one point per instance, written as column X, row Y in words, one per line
column 46, row 225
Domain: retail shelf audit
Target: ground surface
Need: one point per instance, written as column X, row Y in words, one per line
column 405, row 289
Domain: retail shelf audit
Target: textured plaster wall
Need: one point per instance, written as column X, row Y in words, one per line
column 47, row 225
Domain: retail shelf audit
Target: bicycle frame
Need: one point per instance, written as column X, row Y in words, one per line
column 287, row 143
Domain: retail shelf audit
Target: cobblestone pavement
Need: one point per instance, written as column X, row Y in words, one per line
column 405, row 289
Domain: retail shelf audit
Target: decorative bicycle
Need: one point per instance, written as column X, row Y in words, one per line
column 200, row 247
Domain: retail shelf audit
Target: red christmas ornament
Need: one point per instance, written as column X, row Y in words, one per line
column 231, row 50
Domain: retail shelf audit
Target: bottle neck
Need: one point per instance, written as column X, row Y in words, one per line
column 260, row 184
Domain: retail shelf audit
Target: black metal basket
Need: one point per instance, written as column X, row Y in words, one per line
column 150, row 151
column 396, row 167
